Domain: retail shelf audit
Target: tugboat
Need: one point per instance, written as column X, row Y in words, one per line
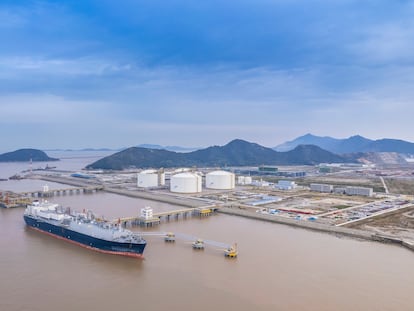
column 231, row 252
column 169, row 237
column 198, row 244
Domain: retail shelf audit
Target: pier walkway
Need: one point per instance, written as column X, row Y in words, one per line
column 62, row 191
column 175, row 214
column 186, row 238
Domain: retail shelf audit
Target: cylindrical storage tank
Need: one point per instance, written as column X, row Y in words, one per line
column 248, row 180
column 240, row 180
column 185, row 183
column 181, row 170
column 147, row 178
column 221, row 180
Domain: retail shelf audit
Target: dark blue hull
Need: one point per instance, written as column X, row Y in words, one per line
column 104, row 246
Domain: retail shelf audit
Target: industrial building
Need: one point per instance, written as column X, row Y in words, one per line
column 151, row 178
column 261, row 183
column 321, row 188
column 340, row 190
column 221, row 180
column 186, row 183
column 244, row 180
column 147, row 213
column 286, row 185
column 359, row 191
column 354, row 191
column 269, row 171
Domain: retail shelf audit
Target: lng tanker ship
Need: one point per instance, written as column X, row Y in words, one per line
column 83, row 229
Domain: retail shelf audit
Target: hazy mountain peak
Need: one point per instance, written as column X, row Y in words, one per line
column 238, row 141
column 353, row 144
column 358, row 137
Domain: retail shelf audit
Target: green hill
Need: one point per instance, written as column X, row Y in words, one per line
column 25, row 155
column 236, row 153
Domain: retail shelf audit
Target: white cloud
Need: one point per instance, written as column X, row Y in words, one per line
column 43, row 109
column 80, row 66
column 387, row 43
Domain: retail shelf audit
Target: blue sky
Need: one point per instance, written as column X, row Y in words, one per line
column 76, row 74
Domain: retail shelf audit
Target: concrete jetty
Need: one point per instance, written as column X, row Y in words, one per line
column 175, row 214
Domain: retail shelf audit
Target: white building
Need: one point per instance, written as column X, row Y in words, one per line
column 244, row 180
column 321, row 188
column 221, row 180
column 150, row 178
column 260, row 183
column 147, row 213
column 340, row 190
column 359, row 191
column 286, row 185
column 186, row 183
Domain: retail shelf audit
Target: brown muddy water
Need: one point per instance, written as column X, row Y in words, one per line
column 278, row 268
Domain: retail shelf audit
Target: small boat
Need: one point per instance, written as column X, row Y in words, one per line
column 169, row 237
column 231, row 251
column 198, row 244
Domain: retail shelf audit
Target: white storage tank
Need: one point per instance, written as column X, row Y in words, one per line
column 221, row 180
column 185, row 183
column 150, row 178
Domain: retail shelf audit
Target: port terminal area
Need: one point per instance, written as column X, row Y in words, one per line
column 334, row 212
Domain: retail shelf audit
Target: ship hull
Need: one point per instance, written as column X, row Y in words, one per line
column 103, row 246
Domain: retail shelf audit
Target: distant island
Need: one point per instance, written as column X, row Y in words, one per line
column 26, row 155
column 236, row 153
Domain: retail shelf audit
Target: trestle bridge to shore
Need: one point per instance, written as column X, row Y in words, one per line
column 168, row 215
column 196, row 243
column 45, row 193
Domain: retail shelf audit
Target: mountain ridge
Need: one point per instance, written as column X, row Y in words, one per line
column 352, row 144
column 236, row 153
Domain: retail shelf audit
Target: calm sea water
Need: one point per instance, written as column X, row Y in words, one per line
column 279, row 267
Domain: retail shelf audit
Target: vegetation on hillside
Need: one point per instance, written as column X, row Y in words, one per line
column 235, row 153
column 25, row 155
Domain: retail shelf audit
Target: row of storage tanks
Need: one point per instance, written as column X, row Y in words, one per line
column 190, row 182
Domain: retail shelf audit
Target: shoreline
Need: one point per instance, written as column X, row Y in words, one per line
column 350, row 232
